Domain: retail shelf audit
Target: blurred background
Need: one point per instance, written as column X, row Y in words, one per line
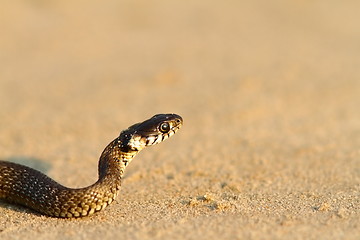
column 269, row 90
column 230, row 68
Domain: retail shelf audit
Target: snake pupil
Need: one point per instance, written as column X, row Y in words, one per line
column 164, row 127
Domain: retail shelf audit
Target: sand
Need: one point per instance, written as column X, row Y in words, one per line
column 269, row 92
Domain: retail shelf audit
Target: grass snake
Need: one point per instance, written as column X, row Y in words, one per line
column 28, row 187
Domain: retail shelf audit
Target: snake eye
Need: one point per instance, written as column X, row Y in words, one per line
column 164, row 127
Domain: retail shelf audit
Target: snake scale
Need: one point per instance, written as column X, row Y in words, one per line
column 28, row 187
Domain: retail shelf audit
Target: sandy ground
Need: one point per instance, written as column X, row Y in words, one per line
column 269, row 92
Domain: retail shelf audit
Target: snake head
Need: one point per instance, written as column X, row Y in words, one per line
column 151, row 131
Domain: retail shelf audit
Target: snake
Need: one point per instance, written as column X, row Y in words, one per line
column 28, row 187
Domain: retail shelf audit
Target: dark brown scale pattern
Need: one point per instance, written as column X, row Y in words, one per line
column 26, row 186
column 44, row 195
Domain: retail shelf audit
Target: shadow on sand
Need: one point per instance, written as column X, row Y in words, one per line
column 35, row 163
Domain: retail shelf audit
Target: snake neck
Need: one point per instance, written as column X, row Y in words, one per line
column 114, row 159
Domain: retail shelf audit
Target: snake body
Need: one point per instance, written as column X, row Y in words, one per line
column 28, row 187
